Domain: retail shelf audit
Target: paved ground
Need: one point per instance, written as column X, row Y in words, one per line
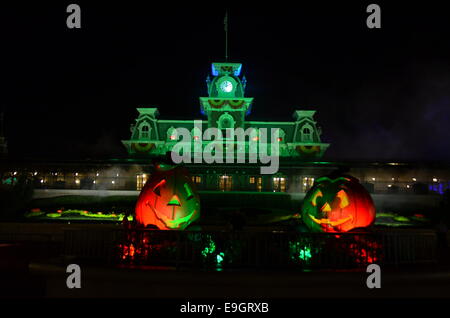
column 49, row 280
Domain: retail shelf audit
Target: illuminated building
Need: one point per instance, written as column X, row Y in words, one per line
column 226, row 107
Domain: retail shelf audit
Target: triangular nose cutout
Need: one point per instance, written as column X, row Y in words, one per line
column 326, row 208
column 175, row 201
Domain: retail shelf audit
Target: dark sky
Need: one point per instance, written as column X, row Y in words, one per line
column 379, row 94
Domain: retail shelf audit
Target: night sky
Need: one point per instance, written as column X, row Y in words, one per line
column 379, row 94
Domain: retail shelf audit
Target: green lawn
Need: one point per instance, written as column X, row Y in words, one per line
column 217, row 207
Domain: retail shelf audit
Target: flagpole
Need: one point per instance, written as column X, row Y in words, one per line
column 226, row 35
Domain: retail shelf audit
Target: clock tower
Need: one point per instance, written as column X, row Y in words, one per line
column 226, row 106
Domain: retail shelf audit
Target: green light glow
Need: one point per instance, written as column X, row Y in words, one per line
column 53, row 215
column 305, row 254
column 219, row 258
column 401, row 219
column 211, row 254
column 300, row 252
column 72, row 214
column 210, row 248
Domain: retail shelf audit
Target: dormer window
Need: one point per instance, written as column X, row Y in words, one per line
column 172, row 134
column 196, row 134
column 144, row 132
column 307, row 133
column 281, row 135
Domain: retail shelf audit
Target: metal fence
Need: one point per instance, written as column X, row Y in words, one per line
column 220, row 250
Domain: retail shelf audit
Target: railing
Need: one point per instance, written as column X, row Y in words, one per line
column 403, row 247
column 219, row 250
column 40, row 245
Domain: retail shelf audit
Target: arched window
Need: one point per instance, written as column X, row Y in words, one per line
column 307, row 133
column 255, row 134
column 281, row 135
column 226, row 121
column 196, row 133
column 172, row 134
column 144, row 131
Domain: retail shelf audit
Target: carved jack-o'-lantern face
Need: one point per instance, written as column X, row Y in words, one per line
column 337, row 205
column 168, row 200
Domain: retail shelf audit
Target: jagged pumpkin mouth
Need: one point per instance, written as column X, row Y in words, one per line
column 175, row 223
column 329, row 222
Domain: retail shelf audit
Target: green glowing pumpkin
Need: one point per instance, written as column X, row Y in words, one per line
column 337, row 204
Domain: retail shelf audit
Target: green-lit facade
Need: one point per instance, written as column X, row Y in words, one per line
column 225, row 107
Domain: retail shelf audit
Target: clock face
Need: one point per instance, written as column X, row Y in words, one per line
column 226, row 86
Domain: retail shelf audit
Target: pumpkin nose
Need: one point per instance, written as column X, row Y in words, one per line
column 326, row 208
column 175, row 201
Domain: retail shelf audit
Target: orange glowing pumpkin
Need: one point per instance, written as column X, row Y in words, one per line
column 337, row 204
column 168, row 200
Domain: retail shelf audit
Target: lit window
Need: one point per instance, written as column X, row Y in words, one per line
column 225, row 183
column 197, row 179
column 279, row 184
column 141, row 179
column 252, row 180
column 307, row 182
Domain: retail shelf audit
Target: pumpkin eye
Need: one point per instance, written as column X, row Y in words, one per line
column 189, row 193
column 157, row 188
column 343, row 199
column 318, row 194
